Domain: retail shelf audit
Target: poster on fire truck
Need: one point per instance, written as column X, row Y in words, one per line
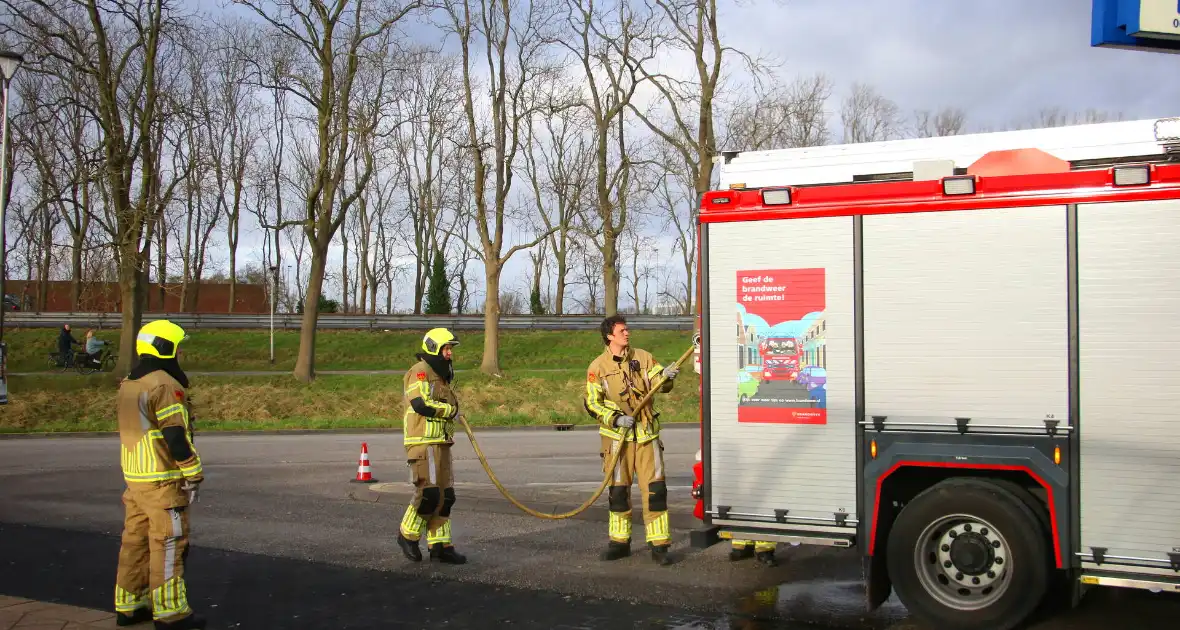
column 782, row 375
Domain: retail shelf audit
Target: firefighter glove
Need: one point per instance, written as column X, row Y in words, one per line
column 670, row 372
column 192, row 488
column 625, row 422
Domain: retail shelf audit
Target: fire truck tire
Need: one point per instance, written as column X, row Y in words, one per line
column 1036, row 505
column 960, row 556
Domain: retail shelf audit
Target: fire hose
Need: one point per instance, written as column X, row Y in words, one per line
column 643, row 402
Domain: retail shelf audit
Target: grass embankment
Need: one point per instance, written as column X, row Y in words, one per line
column 524, row 396
column 237, row 350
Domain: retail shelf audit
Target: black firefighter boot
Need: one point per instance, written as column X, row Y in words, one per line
column 659, row 553
column 409, row 548
column 446, row 554
column 191, row 622
column 616, row 551
column 741, row 553
column 141, row 615
column 767, row 558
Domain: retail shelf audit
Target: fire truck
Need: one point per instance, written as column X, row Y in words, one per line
column 998, row 317
column 780, row 358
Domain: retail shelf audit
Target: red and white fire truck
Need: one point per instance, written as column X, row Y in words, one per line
column 1001, row 377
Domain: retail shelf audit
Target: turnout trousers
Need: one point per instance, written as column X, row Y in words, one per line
column 434, row 494
column 643, row 463
column 154, row 550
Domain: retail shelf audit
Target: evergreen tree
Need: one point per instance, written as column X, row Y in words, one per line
column 438, row 297
column 536, row 306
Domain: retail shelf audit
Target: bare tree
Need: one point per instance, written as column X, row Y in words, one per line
column 867, row 116
column 949, row 121
column 609, row 44
column 229, row 125
column 673, row 193
column 429, row 157
column 58, row 138
column 642, row 254
column 1061, row 117
column 560, row 170
column 517, row 67
column 117, row 48
column 781, row 116
column 587, row 258
column 336, row 38
column 684, row 115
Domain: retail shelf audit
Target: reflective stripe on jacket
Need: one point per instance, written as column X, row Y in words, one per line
column 435, row 394
column 614, row 385
column 146, row 407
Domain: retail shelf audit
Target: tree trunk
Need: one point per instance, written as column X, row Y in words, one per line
column 76, row 272
column 233, row 276
column 46, row 259
column 162, row 265
column 537, row 270
column 305, row 364
column 610, row 273
column 132, row 292
column 344, row 272
column 491, row 319
column 562, row 271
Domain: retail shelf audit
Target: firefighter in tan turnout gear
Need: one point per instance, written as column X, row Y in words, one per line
column 162, row 471
column 615, row 382
column 428, row 427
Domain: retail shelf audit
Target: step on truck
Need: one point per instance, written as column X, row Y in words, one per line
column 997, row 321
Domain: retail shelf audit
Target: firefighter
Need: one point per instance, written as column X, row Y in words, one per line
column 162, row 471
column 615, row 383
column 429, row 430
column 742, row 549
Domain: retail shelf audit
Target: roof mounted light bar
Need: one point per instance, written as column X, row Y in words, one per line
column 1167, row 130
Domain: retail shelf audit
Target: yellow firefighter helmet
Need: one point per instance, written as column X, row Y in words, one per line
column 160, row 338
column 436, row 339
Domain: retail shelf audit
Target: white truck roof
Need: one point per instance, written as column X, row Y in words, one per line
column 844, row 163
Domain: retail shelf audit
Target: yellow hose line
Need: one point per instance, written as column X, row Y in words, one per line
column 606, row 478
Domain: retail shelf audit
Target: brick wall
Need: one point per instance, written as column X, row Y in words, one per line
column 104, row 297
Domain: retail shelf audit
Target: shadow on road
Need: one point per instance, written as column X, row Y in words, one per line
column 241, row 590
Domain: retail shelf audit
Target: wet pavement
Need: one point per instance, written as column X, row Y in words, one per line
column 281, row 539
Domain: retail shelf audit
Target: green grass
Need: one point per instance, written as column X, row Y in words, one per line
column 55, row 404
column 236, row 350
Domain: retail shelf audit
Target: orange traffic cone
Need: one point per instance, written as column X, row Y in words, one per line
column 363, row 474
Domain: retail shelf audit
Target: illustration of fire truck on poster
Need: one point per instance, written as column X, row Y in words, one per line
column 781, row 305
column 780, row 358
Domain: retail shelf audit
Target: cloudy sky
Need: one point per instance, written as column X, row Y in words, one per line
column 998, row 60
column 1001, row 61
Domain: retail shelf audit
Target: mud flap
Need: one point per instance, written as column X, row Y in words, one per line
column 878, row 587
column 704, row 537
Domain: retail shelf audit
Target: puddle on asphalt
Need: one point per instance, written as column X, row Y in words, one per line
column 804, row 604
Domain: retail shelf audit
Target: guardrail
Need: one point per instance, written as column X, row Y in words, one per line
column 199, row 321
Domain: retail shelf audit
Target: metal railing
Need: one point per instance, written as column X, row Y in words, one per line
column 327, row 321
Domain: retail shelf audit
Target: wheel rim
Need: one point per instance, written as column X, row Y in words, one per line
column 963, row 562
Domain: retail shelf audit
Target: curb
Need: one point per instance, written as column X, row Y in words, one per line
column 357, row 431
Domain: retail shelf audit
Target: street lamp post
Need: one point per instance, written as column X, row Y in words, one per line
column 8, row 64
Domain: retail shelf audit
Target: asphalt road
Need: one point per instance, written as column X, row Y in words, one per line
column 282, row 539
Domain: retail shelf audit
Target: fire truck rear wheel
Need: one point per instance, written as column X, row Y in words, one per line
column 960, row 555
